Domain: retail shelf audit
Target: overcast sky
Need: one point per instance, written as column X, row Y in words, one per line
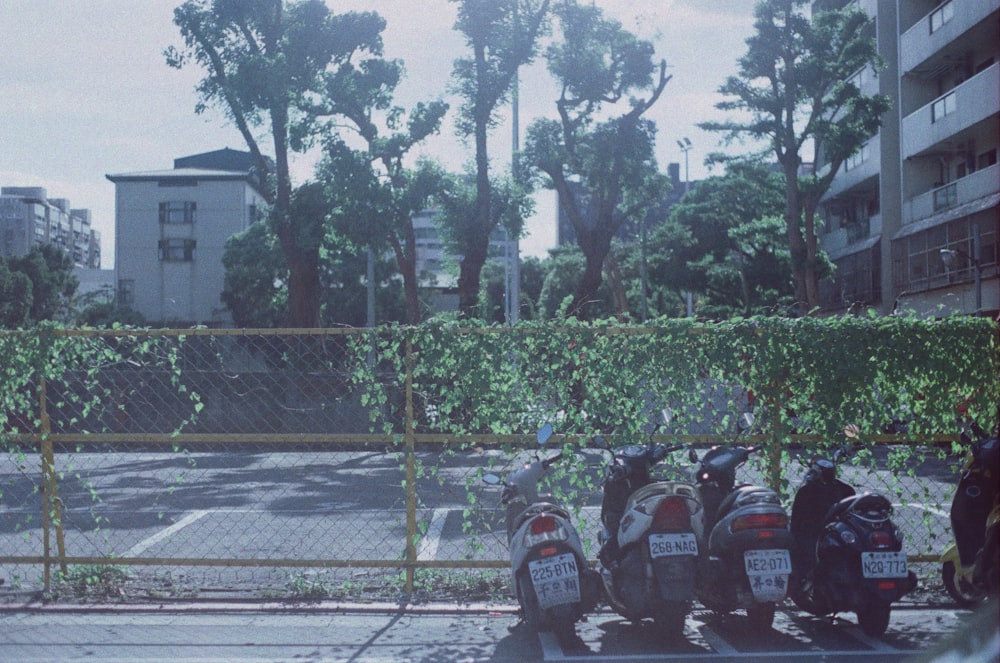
column 85, row 90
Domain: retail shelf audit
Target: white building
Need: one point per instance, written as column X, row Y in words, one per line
column 912, row 219
column 29, row 218
column 171, row 228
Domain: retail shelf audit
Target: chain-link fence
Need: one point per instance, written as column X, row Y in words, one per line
column 284, row 461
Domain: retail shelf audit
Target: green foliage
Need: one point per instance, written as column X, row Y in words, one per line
column 805, row 375
column 35, row 287
column 796, row 88
column 725, row 242
column 599, row 155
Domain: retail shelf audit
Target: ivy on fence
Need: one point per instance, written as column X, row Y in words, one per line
column 466, row 386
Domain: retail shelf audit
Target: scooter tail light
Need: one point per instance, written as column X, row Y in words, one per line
column 760, row 521
column 881, row 539
column 544, row 528
column 671, row 514
column 543, row 524
column 887, row 584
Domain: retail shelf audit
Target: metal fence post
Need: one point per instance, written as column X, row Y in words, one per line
column 411, row 474
column 51, row 511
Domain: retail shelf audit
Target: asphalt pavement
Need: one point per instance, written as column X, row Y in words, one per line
column 211, row 632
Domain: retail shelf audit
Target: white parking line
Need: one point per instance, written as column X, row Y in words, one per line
column 145, row 544
column 924, row 507
column 429, row 543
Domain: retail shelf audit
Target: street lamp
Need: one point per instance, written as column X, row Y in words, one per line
column 685, row 145
column 948, row 257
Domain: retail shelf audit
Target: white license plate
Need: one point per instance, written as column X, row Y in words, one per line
column 556, row 580
column 665, row 545
column 767, row 562
column 883, row 564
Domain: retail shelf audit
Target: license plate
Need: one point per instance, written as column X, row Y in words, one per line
column 883, row 564
column 767, row 562
column 556, row 580
column 665, row 545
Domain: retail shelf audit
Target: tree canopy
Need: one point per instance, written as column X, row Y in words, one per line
column 602, row 168
column 796, row 87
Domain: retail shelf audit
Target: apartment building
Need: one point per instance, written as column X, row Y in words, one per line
column 912, row 219
column 29, row 218
column 171, row 228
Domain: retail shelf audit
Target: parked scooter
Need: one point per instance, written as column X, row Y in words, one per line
column 748, row 561
column 650, row 538
column 551, row 578
column 849, row 555
column 969, row 567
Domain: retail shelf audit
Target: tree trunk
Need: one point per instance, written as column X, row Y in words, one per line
column 796, row 242
column 615, row 282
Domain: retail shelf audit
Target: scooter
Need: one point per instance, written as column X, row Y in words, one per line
column 748, row 561
column 969, row 567
column 550, row 576
column 650, row 538
column 849, row 555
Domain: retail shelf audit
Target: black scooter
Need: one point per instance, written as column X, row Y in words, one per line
column 848, row 553
column 748, row 562
column 970, row 568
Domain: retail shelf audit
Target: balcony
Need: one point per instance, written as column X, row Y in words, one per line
column 920, row 46
column 864, row 166
column 975, row 100
column 980, row 185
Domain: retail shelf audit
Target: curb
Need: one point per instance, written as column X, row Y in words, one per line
column 265, row 606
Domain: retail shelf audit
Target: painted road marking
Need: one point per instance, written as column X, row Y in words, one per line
column 145, row 544
column 429, row 543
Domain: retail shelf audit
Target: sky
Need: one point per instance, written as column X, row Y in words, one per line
column 85, row 91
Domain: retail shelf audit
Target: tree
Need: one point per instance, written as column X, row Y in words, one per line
column 50, row 270
column 796, row 84
column 15, row 298
column 458, row 199
column 267, row 63
column 720, row 241
column 604, row 172
column 256, row 274
column 503, row 36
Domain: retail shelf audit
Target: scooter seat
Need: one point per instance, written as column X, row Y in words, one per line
column 744, row 495
column 869, row 507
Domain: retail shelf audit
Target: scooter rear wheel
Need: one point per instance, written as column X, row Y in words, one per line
column 761, row 615
column 670, row 619
column 962, row 592
column 873, row 617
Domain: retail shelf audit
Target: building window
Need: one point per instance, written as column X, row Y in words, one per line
column 177, row 250
column 126, row 292
column 944, row 106
column 945, row 197
column 942, row 15
column 177, row 212
column 857, row 280
column 917, row 260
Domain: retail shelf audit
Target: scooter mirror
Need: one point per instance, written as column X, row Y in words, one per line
column 600, row 442
column 747, row 420
column 544, row 433
column 692, row 455
column 666, row 416
column 491, row 479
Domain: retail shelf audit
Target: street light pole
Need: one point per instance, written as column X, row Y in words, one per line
column 685, row 145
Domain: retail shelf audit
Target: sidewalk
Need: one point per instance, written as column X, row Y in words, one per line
column 237, row 632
